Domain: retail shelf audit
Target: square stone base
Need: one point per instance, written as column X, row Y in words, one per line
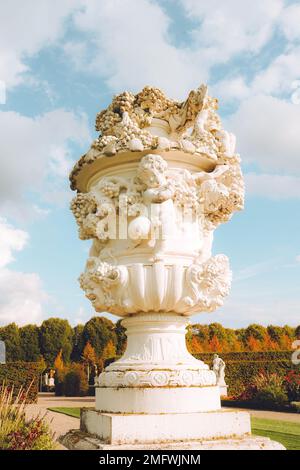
column 78, row 440
column 116, row 429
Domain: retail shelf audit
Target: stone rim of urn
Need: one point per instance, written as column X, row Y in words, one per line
column 150, row 191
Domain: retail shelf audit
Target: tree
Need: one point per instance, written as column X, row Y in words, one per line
column 89, row 357
column 59, row 363
column 241, row 336
column 195, row 346
column 258, row 332
column 275, row 333
column 98, row 331
column 253, row 344
column 269, row 344
column 297, row 332
column 203, row 332
column 55, row 335
column 109, row 350
column 286, row 343
column 29, row 339
column 217, row 330
column 121, row 338
column 289, row 331
column 10, row 334
column 78, row 343
column 232, row 343
column 214, row 344
column 89, row 354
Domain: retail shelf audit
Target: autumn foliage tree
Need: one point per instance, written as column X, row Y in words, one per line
column 253, row 344
column 58, row 362
column 89, row 357
column 109, row 350
column 215, row 345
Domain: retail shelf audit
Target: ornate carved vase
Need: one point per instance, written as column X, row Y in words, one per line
column 150, row 192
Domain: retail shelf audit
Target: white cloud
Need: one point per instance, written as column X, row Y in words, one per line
column 278, row 77
column 273, row 186
column 290, row 21
column 26, row 28
column 33, row 149
column 232, row 89
column 231, row 27
column 268, row 133
column 21, row 297
column 133, row 45
column 127, row 43
column 11, row 239
column 298, row 258
column 21, row 294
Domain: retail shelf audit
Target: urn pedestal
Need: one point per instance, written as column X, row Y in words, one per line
column 150, row 192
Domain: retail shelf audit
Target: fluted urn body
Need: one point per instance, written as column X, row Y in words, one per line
column 150, row 192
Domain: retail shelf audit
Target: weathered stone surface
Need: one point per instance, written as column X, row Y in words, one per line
column 116, row 428
column 77, row 440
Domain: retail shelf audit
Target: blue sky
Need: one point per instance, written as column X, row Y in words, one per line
column 61, row 62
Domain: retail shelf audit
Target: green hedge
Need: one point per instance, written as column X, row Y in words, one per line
column 240, row 374
column 241, row 367
column 21, row 374
column 247, row 356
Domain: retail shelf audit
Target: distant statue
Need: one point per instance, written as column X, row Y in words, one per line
column 2, row 352
column 219, row 369
column 51, row 382
column 46, row 379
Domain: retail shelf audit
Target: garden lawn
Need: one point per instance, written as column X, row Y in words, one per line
column 74, row 412
column 286, row 432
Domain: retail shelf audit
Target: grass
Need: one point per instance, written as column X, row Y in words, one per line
column 74, row 412
column 286, row 432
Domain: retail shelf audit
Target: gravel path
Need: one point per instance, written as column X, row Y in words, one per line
column 60, row 423
column 277, row 415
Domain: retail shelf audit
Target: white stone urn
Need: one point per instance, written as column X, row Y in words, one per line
column 150, row 192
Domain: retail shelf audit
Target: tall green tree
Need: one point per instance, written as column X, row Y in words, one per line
column 289, row 331
column 217, row 330
column 275, row 333
column 55, row 335
column 121, row 338
column 10, row 334
column 78, row 343
column 258, row 332
column 99, row 331
column 29, row 338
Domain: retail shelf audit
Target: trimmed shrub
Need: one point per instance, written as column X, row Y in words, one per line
column 75, row 382
column 59, row 379
column 26, row 375
column 247, row 356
